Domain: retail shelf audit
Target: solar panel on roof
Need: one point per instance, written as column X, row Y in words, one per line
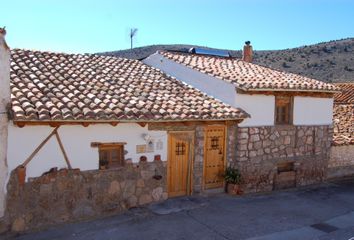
column 213, row 52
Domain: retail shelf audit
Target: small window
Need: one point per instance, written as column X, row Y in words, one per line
column 180, row 148
column 214, row 143
column 111, row 156
column 283, row 110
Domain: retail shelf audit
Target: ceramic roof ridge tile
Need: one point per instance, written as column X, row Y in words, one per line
column 48, row 86
column 250, row 75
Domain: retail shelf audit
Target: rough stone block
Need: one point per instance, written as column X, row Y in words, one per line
column 254, row 138
column 157, row 193
column 114, row 188
column 145, row 199
column 18, row 225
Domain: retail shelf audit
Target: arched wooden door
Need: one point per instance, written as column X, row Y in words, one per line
column 180, row 155
column 214, row 157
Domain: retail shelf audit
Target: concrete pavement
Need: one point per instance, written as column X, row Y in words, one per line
column 321, row 212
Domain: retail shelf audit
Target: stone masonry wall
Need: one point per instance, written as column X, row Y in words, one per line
column 231, row 144
column 341, row 162
column 198, row 160
column 260, row 149
column 71, row 195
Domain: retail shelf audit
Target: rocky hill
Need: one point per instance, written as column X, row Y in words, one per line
column 328, row 61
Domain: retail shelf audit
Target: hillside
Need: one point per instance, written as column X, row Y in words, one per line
column 329, row 61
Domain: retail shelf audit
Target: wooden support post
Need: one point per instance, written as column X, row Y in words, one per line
column 39, row 147
column 63, row 150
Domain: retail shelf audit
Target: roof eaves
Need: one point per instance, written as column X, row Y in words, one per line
column 286, row 90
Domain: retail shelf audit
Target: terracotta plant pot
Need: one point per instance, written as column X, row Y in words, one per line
column 233, row 189
column 157, row 157
column 21, row 174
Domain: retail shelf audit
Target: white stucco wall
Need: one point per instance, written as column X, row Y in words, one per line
column 313, row 111
column 77, row 143
column 4, row 100
column 260, row 107
column 214, row 87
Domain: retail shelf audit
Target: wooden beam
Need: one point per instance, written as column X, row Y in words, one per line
column 39, row 147
column 98, row 144
column 142, row 124
column 54, row 124
column 85, row 124
column 62, row 149
column 287, row 93
column 20, row 124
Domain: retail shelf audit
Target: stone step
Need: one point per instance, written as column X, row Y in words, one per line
column 213, row 191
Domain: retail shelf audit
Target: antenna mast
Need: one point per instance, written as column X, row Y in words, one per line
column 133, row 32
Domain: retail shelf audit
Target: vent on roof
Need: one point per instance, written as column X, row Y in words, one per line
column 213, row 52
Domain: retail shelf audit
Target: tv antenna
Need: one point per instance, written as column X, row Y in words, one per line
column 132, row 34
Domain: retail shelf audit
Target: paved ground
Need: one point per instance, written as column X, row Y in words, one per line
column 323, row 212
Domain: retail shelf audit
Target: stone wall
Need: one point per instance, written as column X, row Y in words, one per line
column 231, row 144
column 341, row 162
column 71, row 195
column 261, row 149
column 198, row 160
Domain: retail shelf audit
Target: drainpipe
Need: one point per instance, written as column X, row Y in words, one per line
column 4, row 121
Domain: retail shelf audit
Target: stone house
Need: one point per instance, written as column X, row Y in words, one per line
column 341, row 162
column 87, row 135
column 96, row 135
column 286, row 141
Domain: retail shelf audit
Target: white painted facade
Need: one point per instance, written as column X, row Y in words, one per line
column 313, row 111
column 307, row 110
column 4, row 101
column 77, row 143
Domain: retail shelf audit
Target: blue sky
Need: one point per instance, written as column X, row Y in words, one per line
column 87, row 26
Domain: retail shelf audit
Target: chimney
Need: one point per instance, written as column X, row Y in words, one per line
column 4, row 103
column 247, row 52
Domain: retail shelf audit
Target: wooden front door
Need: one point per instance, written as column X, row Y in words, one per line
column 180, row 163
column 214, row 157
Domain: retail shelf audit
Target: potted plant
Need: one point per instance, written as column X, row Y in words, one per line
column 233, row 180
column 104, row 164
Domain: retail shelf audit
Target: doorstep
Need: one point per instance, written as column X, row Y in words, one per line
column 213, row 191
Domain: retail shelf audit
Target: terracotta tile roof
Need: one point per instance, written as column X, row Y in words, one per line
column 248, row 76
column 343, row 121
column 71, row 87
column 347, row 93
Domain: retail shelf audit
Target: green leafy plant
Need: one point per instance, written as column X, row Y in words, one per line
column 233, row 176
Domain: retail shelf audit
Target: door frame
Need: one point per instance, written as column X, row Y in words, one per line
column 205, row 151
column 189, row 190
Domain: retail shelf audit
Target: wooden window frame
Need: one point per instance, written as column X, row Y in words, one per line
column 109, row 148
column 290, row 110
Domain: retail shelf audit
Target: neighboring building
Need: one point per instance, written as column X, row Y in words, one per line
column 4, row 104
column 286, row 140
column 342, row 152
column 94, row 134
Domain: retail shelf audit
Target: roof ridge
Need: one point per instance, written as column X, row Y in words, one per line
column 225, row 73
column 72, row 54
